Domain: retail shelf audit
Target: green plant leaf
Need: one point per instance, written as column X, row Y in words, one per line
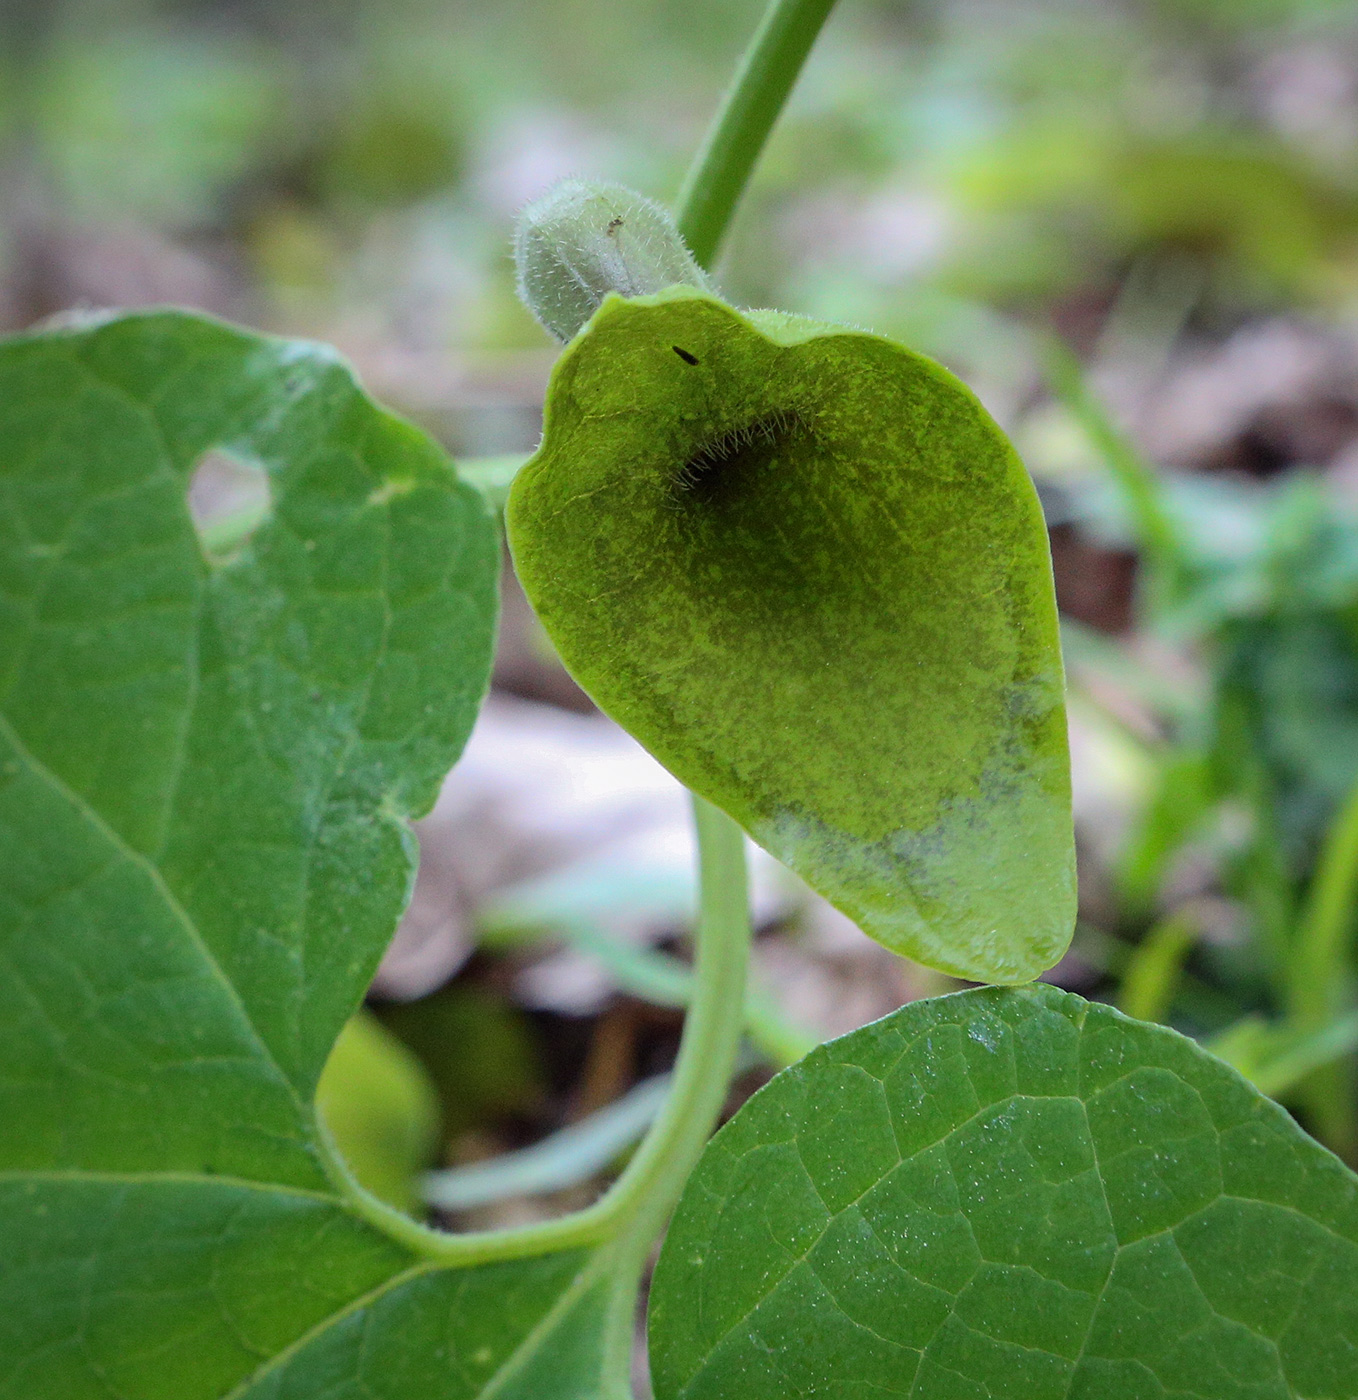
column 804, row 567
column 381, row 1108
column 1010, row 1192
column 207, row 767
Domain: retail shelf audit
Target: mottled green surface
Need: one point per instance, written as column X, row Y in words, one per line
column 205, row 777
column 1010, row 1194
column 806, row 570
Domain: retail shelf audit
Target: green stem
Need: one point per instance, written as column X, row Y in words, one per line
column 649, row 1189
column 645, row 1193
column 712, row 1031
column 635, row 1208
column 665, row 980
column 718, row 176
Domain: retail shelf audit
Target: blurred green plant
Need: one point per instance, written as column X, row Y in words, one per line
column 1046, row 149
column 1259, row 581
column 381, row 1109
column 154, row 126
column 478, row 1050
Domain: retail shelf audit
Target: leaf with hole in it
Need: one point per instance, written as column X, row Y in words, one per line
column 803, row 566
column 1011, row 1193
column 208, row 759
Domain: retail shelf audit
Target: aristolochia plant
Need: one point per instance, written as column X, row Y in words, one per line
column 804, row 567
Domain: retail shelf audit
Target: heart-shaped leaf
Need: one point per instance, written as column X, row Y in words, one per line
column 1010, row 1193
column 803, row 566
column 209, row 752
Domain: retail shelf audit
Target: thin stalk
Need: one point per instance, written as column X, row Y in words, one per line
column 766, row 76
column 649, row 1188
column 665, row 980
column 635, row 1208
column 1265, row 883
column 1261, row 877
column 712, row 1031
column 646, row 1191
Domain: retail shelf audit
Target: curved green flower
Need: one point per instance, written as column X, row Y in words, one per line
column 805, row 568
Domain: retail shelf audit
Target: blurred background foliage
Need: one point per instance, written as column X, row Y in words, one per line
column 350, row 168
column 1131, row 225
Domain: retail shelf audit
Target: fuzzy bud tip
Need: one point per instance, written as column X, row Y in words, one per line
column 580, row 241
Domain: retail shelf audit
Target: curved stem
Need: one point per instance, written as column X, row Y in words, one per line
column 643, row 1196
column 718, row 176
column 707, row 1054
column 646, row 1191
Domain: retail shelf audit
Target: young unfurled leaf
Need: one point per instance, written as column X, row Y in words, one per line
column 803, row 566
column 206, row 770
column 1010, row 1192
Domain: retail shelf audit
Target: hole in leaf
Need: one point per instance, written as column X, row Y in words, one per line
column 390, row 489
column 228, row 499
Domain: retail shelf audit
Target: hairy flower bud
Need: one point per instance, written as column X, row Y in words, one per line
column 580, row 241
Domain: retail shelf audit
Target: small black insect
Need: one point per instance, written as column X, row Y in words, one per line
column 684, row 355
column 614, row 224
